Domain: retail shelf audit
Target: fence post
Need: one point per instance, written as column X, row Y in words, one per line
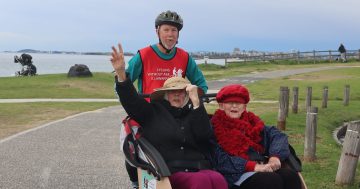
column 287, row 96
column 314, row 57
column 325, row 97
column 346, row 95
column 308, row 98
column 359, row 54
column 298, row 56
column 264, row 58
column 330, row 56
column 349, row 155
column 295, row 100
column 281, row 124
column 310, row 134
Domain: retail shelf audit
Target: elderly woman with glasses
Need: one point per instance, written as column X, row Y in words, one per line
column 249, row 153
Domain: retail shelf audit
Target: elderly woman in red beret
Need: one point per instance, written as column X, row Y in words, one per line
column 249, row 154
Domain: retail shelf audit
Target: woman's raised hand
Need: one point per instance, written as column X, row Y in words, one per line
column 118, row 62
column 192, row 90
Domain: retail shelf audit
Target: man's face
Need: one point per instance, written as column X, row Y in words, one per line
column 168, row 35
column 176, row 97
column 233, row 109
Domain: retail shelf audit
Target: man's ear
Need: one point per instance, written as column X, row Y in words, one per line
column 157, row 32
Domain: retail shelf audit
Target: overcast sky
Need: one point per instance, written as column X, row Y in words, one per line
column 209, row 25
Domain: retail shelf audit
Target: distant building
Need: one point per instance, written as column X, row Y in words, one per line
column 236, row 52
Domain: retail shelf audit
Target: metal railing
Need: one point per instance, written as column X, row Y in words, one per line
column 329, row 55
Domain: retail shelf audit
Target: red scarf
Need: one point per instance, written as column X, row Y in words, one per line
column 236, row 136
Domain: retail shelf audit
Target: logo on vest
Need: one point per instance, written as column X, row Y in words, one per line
column 177, row 73
column 160, row 74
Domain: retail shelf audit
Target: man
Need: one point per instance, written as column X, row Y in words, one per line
column 152, row 65
column 342, row 51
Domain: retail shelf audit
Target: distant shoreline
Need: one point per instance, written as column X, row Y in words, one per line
column 64, row 52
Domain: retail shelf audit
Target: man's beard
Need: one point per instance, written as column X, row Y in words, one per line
column 169, row 47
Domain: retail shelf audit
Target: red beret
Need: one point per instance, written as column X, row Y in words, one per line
column 233, row 93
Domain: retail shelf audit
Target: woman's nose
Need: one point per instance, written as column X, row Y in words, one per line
column 234, row 104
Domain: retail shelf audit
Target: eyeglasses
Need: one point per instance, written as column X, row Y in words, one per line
column 233, row 103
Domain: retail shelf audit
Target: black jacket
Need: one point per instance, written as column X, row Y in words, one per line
column 181, row 135
column 342, row 49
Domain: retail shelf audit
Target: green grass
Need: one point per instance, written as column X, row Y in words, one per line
column 101, row 85
column 335, row 80
column 322, row 172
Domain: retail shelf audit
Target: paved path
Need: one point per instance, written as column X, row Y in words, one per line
column 57, row 100
column 80, row 151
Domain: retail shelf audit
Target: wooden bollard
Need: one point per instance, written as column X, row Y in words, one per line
column 298, row 57
column 287, row 101
column 349, row 155
column 325, row 97
column 308, row 98
column 314, row 56
column 346, row 95
column 295, row 100
column 281, row 124
column 310, row 134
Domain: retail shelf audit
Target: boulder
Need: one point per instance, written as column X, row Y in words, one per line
column 79, row 70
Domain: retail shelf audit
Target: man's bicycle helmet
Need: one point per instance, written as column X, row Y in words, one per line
column 169, row 17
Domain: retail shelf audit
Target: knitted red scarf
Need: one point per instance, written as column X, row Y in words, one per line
column 236, row 136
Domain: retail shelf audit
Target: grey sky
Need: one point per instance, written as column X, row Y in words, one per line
column 94, row 25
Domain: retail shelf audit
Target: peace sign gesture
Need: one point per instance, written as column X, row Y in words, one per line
column 118, row 62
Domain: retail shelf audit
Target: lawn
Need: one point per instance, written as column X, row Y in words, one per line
column 101, row 85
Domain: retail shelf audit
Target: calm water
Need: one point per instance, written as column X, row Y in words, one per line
column 55, row 63
column 61, row 63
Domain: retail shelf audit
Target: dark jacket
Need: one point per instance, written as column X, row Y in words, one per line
column 232, row 167
column 342, row 49
column 181, row 135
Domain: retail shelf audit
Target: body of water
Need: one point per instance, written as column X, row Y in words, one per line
column 61, row 63
column 55, row 63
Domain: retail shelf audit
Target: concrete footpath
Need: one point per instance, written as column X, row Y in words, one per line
column 81, row 151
